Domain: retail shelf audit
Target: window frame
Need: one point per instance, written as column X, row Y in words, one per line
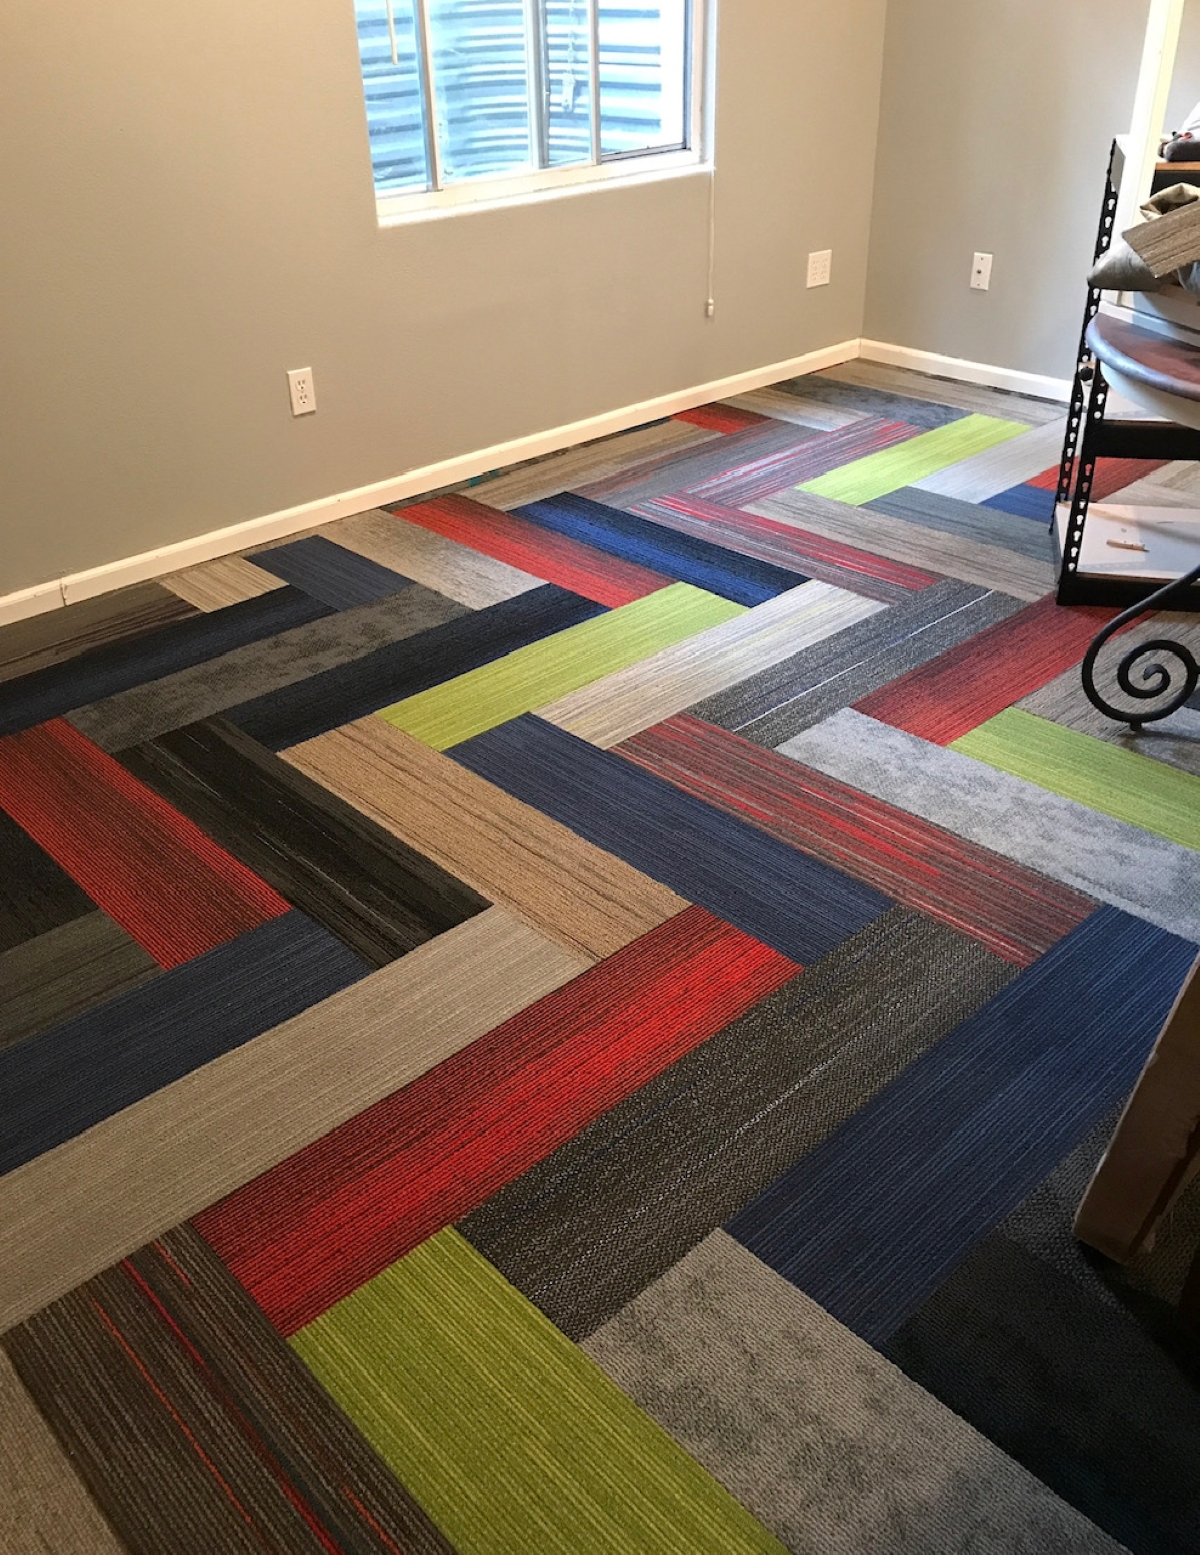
column 396, row 207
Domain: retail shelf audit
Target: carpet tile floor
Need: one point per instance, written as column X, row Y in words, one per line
column 572, row 1016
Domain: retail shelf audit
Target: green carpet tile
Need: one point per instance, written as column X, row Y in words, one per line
column 543, row 671
column 509, row 1436
column 1116, row 782
column 894, row 468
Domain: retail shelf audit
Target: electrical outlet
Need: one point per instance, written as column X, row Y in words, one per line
column 820, row 267
column 302, row 390
column 981, row 272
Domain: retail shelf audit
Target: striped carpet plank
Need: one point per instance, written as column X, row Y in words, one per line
column 799, row 906
column 971, row 520
column 951, row 556
column 72, row 1076
column 947, row 392
column 223, row 581
column 600, row 460
column 1115, row 475
column 65, row 971
column 303, row 709
column 1120, row 783
column 782, row 406
column 61, row 634
column 578, row 895
column 36, row 894
column 814, row 456
column 719, row 417
column 105, row 671
column 146, row 1169
column 457, row 571
column 196, row 1427
column 1106, row 859
column 1016, row 913
column 380, row 897
column 970, row 683
column 886, row 1467
column 785, row 546
column 559, row 559
column 1025, row 501
column 679, row 470
column 432, row 1152
column 329, row 572
column 144, row 712
column 837, row 390
column 778, row 703
column 514, row 1441
column 543, row 672
column 1174, row 740
column 876, row 474
column 44, row 1507
column 995, row 469
column 611, row 709
column 1088, row 1387
column 612, row 1210
column 168, row 885
column 742, row 579
column 873, row 1220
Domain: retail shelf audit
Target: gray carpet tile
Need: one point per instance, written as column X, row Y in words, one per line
column 834, row 1449
column 675, row 471
column 595, row 1223
column 974, row 397
column 1117, row 863
column 192, row 694
column 66, row 971
column 869, row 401
column 955, row 517
column 779, row 702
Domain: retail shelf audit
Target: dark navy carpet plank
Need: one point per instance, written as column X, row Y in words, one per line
column 787, row 900
column 57, row 635
column 380, row 897
column 874, row 1220
column 36, row 895
column 103, row 672
column 65, row 971
column 339, row 695
column 588, row 1229
column 755, row 479
column 873, row 402
column 779, row 702
column 973, row 521
column 73, row 1076
column 1024, row 501
column 1098, row 1402
column 684, row 468
column 741, row 578
column 331, row 573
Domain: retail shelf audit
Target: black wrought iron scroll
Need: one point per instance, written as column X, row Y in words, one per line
column 1156, row 679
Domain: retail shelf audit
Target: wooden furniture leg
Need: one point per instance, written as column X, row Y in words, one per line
column 1156, row 1147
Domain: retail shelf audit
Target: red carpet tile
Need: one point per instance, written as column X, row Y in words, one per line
column 1112, row 475
column 722, row 418
column 966, row 686
column 779, row 543
column 555, row 558
column 1015, row 912
column 334, row 1215
column 168, row 885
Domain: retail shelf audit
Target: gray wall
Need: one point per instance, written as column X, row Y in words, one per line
column 188, row 212
column 995, row 125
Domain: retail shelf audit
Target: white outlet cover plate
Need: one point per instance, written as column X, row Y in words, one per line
column 820, row 267
column 302, row 391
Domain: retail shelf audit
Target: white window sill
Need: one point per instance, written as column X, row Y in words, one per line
column 398, row 210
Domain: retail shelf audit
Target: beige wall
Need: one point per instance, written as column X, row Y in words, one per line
column 188, row 212
column 995, row 124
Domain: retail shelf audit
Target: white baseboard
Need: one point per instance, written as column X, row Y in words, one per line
column 431, row 477
column 966, row 372
column 449, row 472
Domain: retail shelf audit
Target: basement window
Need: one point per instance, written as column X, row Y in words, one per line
column 474, row 101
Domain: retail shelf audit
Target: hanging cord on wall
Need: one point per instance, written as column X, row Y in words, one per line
column 391, row 21
column 710, row 306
